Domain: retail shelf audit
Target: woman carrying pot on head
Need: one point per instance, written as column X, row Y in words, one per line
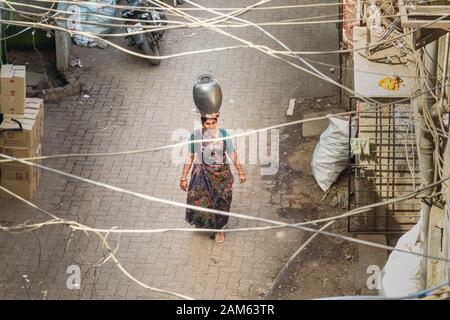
column 211, row 183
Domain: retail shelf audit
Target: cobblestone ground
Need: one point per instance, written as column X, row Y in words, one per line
column 126, row 104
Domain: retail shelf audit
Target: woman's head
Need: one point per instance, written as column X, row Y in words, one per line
column 209, row 123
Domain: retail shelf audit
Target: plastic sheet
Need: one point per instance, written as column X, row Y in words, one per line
column 82, row 15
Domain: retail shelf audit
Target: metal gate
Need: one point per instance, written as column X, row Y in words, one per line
column 389, row 169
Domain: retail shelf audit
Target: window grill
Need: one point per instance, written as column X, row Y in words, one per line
column 389, row 171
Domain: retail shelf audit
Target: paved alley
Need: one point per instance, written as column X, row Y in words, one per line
column 127, row 105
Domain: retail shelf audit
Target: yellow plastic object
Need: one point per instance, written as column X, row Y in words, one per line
column 390, row 83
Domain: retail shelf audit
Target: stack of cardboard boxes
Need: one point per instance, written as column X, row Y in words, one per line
column 19, row 178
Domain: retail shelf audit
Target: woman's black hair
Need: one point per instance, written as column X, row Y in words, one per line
column 205, row 118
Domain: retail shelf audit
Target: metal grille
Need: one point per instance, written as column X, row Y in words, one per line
column 389, row 171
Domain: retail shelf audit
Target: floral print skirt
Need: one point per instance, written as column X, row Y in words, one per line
column 210, row 187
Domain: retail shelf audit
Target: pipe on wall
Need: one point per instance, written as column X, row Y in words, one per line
column 426, row 151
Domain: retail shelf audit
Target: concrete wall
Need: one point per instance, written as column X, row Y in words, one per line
column 62, row 39
column 28, row 9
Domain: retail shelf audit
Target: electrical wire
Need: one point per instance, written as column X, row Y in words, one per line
column 202, row 209
column 154, row 28
column 360, row 71
column 77, row 226
column 232, row 136
column 55, row 220
column 112, row 253
column 294, row 53
column 419, row 295
column 292, row 258
column 314, row 72
column 222, row 9
column 270, row 51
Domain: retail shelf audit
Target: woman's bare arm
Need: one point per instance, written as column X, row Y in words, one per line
column 237, row 164
column 186, row 168
column 187, row 164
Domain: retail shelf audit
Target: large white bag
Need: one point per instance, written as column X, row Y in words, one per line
column 331, row 155
column 401, row 274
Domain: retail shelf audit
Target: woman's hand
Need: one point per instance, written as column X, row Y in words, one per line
column 184, row 184
column 242, row 177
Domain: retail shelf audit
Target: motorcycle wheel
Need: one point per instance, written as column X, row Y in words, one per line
column 164, row 21
column 151, row 50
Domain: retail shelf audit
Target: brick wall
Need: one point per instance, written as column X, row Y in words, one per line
column 348, row 12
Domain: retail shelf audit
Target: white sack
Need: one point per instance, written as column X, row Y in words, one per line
column 331, row 155
column 401, row 274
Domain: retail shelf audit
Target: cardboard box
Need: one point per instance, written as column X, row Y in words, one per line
column 32, row 105
column 35, row 103
column 12, row 80
column 34, row 109
column 31, row 116
column 13, row 89
column 38, row 153
column 17, row 152
column 19, row 139
column 23, row 189
column 12, row 104
column 17, row 172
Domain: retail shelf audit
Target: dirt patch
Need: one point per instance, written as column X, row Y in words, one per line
column 48, row 83
column 41, row 62
column 328, row 266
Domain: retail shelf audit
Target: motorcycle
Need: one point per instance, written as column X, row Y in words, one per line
column 149, row 15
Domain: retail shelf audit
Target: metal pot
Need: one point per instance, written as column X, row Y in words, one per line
column 207, row 94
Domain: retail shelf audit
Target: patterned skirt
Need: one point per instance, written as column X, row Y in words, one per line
column 211, row 186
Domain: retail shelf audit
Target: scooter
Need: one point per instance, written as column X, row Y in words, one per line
column 149, row 15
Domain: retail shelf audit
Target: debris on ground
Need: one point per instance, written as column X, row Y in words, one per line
column 290, row 110
column 76, row 63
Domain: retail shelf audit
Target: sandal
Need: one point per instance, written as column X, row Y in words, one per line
column 220, row 237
